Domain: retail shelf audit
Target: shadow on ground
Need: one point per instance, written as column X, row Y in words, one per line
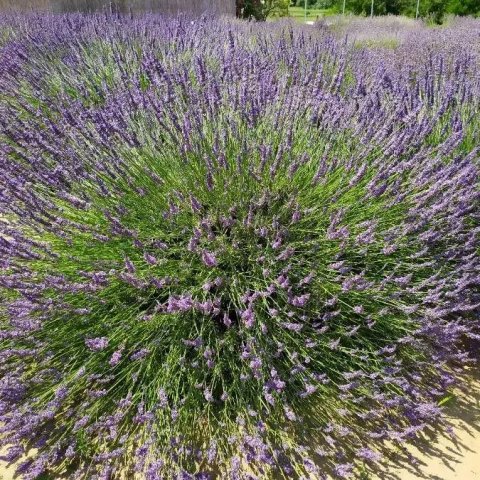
column 440, row 454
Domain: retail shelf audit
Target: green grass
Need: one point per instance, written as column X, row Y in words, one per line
column 298, row 13
column 388, row 43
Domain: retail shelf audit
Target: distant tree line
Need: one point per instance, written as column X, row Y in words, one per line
column 437, row 9
column 434, row 8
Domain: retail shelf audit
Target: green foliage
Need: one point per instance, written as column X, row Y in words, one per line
column 311, row 4
column 433, row 10
column 278, row 8
column 259, row 10
column 464, row 7
column 381, row 7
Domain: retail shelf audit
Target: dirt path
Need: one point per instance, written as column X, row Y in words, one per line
column 442, row 457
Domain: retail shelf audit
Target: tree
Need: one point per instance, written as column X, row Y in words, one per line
column 380, row 7
column 248, row 9
column 277, row 8
column 261, row 9
column 435, row 9
column 464, row 7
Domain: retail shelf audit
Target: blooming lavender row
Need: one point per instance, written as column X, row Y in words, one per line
column 230, row 250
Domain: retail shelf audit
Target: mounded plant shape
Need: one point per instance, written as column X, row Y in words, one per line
column 207, row 271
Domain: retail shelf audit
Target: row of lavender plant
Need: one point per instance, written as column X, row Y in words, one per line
column 230, row 250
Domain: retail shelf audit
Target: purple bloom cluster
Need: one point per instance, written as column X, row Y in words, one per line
column 244, row 250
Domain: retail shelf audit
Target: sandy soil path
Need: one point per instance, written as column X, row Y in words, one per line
column 443, row 457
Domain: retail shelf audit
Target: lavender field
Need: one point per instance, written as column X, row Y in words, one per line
column 234, row 250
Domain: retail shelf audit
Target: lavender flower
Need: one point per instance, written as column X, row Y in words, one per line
column 276, row 221
column 209, row 259
column 97, row 344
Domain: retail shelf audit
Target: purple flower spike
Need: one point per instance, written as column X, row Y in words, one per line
column 248, row 317
column 96, row 344
column 140, row 354
column 115, row 358
column 209, row 259
column 301, row 300
column 150, row 259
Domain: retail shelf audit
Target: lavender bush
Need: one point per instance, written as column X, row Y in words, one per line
column 230, row 250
